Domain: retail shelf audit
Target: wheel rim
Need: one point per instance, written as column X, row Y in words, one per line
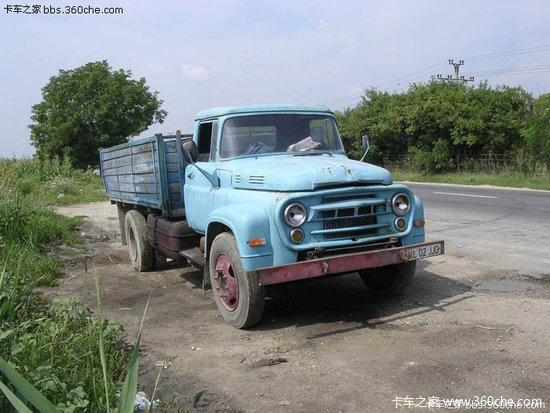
column 132, row 248
column 227, row 285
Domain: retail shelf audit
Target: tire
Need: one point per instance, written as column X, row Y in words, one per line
column 391, row 279
column 140, row 252
column 238, row 293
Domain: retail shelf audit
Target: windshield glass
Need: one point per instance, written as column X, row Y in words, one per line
column 285, row 133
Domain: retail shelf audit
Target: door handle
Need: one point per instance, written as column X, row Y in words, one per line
column 191, row 175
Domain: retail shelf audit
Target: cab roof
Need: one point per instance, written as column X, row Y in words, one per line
column 232, row 110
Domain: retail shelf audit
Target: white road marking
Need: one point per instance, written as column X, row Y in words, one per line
column 470, row 195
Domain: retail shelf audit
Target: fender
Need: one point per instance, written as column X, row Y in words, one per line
column 246, row 222
column 417, row 234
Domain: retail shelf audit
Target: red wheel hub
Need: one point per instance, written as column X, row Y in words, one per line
column 227, row 285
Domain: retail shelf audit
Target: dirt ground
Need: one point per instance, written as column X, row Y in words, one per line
column 465, row 329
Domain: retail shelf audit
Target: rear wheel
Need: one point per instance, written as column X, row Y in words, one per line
column 140, row 252
column 391, row 279
column 238, row 293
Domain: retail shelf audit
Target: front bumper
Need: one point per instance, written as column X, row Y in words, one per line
column 349, row 262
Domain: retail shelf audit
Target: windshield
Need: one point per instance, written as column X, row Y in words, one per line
column 284, row 133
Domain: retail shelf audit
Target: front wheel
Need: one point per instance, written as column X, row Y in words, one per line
column 238, row 293
column 391, row 279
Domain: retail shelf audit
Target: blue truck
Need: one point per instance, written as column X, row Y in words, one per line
column 263, row 195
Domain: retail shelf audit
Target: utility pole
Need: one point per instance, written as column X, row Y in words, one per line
column 457, row 77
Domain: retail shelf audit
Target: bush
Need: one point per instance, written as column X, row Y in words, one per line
column 54, row 344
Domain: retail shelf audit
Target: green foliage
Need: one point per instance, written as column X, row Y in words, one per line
column 440, row 123
column 57, row 350
column 90, row 107
column 53, row 345
column 66, row 332
column 511, row 179
column 537, row 133
column 381, row 116
column 28, row 227
column 43, row 180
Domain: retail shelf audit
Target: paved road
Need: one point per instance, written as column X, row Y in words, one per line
column 506, row 227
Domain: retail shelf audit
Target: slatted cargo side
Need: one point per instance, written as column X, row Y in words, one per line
column 146, row 173
column 174, row 173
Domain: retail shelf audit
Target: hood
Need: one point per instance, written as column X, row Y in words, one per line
column 303, row 173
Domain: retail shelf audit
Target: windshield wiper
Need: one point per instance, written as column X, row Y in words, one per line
column 307, row 153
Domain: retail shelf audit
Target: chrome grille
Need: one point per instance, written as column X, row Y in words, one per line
column 350, row 216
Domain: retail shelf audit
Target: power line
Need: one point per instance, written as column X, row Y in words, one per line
column 421, row 73
column 416, row 74
column 513, row 52
column 412, row 75
column 516, row 69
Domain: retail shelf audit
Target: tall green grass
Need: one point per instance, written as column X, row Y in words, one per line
column 51, row 181
column 53, row 344
column 510, row 179
column 99, row 342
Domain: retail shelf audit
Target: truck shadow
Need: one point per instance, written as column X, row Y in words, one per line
column 345, row 301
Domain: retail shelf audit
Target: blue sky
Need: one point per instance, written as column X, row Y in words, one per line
column 220, row 53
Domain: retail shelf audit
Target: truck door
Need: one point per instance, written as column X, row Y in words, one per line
column 199, row 191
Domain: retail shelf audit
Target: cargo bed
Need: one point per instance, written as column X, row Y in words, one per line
column 146, row 172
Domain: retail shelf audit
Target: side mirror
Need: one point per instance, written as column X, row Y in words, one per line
column 365, row 141
column 366, row 145
column 190, row 151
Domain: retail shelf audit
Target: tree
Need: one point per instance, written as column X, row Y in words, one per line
column 537, row 132
column 442, row 124
column 90, row 107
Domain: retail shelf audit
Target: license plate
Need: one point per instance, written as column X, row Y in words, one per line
column 424, row 251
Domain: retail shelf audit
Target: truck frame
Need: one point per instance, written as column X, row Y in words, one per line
column 263, row 195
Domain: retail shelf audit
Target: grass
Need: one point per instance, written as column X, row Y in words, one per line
column 51, row 181
column 505, row 179
column 52, row 344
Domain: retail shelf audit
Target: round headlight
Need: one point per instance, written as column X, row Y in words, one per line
column 400, row 204
column 295, row 215
column 400, row 223
column 297, row 235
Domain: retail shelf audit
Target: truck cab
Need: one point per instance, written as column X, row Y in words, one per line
column 273, row 198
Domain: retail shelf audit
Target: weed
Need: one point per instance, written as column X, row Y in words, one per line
column 506, row 179
column 53, row 344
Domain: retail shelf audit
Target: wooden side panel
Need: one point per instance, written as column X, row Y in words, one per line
column 132, row 173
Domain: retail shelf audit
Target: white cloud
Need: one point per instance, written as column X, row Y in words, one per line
column 196, row 73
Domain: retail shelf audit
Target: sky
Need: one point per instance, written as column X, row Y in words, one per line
column 199, row 55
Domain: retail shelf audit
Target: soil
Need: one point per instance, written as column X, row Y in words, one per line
column 327, row 344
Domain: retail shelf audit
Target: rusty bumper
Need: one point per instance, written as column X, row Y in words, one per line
column 349, row 262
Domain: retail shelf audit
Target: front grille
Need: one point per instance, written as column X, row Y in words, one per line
column 350, row 216
column 350, row 223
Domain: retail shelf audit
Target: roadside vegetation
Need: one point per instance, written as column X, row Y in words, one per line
column 508, row 179
column 455, row 133
column 53, row 344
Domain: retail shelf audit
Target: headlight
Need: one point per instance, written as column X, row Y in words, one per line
column 295, row 215
column 400, row 204
column 400, row 223
column 297, row 235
